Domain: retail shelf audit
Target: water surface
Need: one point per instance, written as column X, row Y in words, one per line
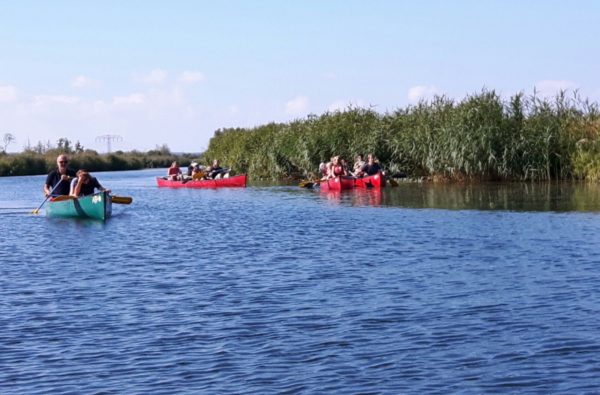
column 277, row 289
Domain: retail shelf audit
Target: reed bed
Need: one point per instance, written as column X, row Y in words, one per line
column 481, row 137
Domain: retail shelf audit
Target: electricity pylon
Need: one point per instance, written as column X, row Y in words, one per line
column 109, row 138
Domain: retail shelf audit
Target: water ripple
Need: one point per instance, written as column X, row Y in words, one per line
column 277, row 290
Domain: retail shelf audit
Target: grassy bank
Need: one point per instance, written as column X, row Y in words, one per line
column 481, row 137
column 31, row 162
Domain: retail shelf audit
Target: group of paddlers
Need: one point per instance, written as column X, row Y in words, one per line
column 196, row 172
column 339, row 167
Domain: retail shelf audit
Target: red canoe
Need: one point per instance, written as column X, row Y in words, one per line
column 231, row 182
column 375, row 181
column 339, row 183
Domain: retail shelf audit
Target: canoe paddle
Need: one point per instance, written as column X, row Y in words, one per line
column 122, row 199
column 115, row 199
column 62, row 198
column 308, row 183
column 37, row 210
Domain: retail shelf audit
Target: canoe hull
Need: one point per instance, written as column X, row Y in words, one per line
column 231, row 182
column 97, row 206
column 340, row 183
column 376, row 181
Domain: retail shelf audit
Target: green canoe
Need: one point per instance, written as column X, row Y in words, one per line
column 96, row 206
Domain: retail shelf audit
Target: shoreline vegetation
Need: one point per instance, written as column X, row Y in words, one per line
column 479, row 138
column 42, row 159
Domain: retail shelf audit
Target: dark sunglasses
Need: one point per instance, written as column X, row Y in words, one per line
column 63, row 161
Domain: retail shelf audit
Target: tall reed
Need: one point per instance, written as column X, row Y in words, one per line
column 481, row 137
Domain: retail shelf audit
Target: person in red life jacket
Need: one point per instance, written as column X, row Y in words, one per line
column 174, row 172
column 59, row 178
column 337, row 168
column 85, row 184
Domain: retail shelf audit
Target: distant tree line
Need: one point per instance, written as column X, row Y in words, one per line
column 481, row 137
column 41, row 158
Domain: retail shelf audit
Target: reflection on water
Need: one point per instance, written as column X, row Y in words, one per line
column 487, row 196
column 357, row 197
column 76, row 223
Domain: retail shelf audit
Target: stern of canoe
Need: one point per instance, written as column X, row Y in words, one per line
column 375, row 181
column 97, row 206
column 337, row 184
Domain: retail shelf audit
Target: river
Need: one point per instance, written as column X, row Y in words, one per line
column 277, row 289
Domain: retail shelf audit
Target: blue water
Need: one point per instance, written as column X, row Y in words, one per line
column 277, row 289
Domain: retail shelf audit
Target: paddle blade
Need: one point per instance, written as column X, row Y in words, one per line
column 308, row 183
column 122, row 199
column 393, row 182
column 62, row 198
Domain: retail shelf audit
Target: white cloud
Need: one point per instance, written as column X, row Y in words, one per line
column 552, row 87
column 8, row 93
column 191, row 77
column 297, row 106
column 44, row 100
column 133, row 99
column 139, row 116
column 156, row 76
column 81, row 81
column 420, row 92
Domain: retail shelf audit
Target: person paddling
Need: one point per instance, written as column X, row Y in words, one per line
column 216, row 171
column 198, row 172
column 57, row 181
column 372, row 167
column 359, row 166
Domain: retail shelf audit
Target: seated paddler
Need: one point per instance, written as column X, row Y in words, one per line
column 85, row 184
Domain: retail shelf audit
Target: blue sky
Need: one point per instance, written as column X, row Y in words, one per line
column 174, row 72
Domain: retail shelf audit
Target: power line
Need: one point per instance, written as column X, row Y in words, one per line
column 109, row 138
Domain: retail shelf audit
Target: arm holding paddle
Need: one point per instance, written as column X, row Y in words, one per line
column 37, row 210
column 57, row 181
column 49, row 189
